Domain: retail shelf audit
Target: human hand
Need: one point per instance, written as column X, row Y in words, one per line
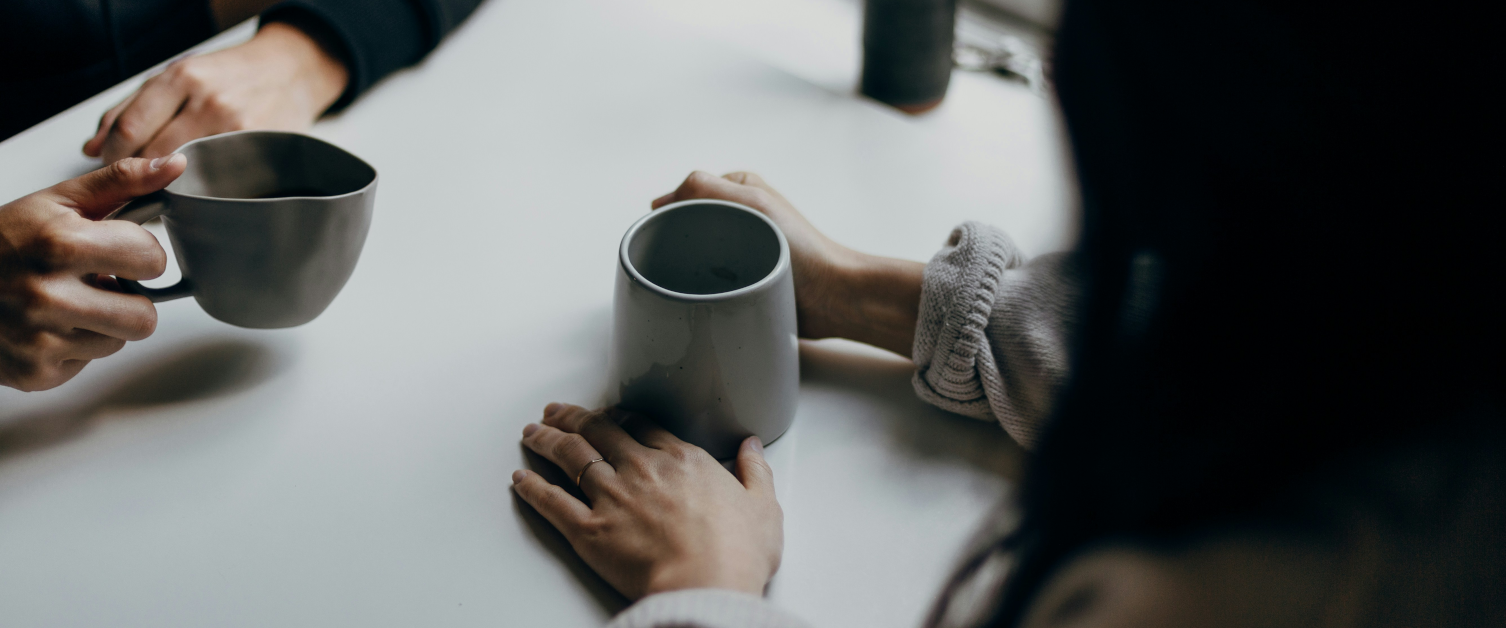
column 663, row 515
column 282, row 79
column 839, row 292
column 59, row 306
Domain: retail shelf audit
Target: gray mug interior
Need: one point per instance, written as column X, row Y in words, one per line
column 256, row 165
column 704, row 249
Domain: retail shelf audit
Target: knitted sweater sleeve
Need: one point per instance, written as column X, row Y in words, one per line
column 704, row 608
column 992, row 338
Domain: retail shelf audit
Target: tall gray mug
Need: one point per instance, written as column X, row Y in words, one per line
column 704, row 337
column 267, row 226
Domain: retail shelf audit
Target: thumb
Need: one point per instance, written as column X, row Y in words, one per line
column 98, row 193
column 752, row 469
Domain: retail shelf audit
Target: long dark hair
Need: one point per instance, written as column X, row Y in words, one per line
column 1294, row 257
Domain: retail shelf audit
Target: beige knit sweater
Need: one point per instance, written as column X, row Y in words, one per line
column 991, row 343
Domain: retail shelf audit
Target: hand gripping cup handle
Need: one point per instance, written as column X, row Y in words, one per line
column 139, row 211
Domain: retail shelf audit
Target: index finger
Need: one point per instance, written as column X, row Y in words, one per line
column 96, row 194
column 702, row 184
column 93, row 147
column 110, row 247
column 154, row 106
column 595, row 426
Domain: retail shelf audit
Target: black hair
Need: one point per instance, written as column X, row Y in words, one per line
column 1293, row 251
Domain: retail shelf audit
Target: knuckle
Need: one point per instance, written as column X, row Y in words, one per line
column 55, row 245
column 141, row 325
column 562, row 417
column 595, row 528
column 683, row 452
column 594, row 420
column 214, row 103
column 223, row 108
column 699, row 180
column 117, row 172
column 189, row 73
column 534, row 489
column 48, row 345
column 637, row 465
column 571, row 446
column 40, row 350
column 34, row 295
column 156, row 258
column 129, row 127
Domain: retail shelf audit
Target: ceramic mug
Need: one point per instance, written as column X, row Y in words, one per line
column 704, row 337
column 267, row 226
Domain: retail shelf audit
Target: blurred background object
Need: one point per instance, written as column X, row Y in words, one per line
column 821, row 42
column 911, row 46
column 907, row 52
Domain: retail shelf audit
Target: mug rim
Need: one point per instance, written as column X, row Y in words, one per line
column 780, row 266
column 374, row 174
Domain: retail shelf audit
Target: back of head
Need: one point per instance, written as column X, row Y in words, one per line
column 1294, row 258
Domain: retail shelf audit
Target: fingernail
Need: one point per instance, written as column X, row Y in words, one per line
column 529, row 429
column 159, row 162
column 552, row 408
column 517, row 476
column 756, row 445
column 661, row 200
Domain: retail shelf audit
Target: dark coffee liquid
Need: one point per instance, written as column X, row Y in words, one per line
column 294, row 192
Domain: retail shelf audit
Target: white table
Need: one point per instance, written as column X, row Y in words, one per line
column 353, row 471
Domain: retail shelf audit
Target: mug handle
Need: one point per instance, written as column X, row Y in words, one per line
column 139, row 211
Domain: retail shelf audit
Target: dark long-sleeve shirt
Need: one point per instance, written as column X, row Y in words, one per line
column 379, row 37
column 59, row 53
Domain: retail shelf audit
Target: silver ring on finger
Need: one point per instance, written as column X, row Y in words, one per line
column 582, row 473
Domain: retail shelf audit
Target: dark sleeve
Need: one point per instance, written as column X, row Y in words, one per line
column 374, row 37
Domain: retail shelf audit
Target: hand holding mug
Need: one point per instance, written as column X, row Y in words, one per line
column 661, row 514
column 839, row 292
column 59, row 305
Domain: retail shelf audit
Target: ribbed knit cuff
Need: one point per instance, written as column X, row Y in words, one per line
column 953, row 366
column 704, row 608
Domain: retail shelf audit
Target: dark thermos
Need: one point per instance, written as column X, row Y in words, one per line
column 907, row 52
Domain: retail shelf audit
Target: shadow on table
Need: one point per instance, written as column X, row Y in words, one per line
column 193, row 372
column 917, row 427
column 610, row 601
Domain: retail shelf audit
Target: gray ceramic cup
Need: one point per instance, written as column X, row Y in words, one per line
column 704, row 338
column 267, row 226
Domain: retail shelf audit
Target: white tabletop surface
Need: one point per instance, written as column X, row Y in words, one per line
column 354, row 471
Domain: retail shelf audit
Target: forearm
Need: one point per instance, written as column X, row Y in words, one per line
column 323, row 75
column 876, row 300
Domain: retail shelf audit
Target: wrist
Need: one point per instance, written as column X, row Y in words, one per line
column 686, row 577
column 876, row 300
column 316, row 67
